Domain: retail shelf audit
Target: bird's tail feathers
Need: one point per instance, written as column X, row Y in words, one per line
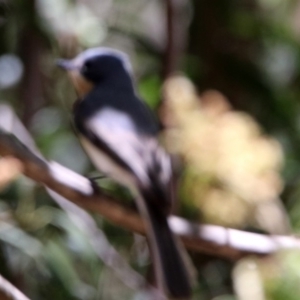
column 169, row 263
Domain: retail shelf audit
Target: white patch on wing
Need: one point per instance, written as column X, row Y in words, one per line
column 141, row 153
column 118, row 132
column 110, row 118
column 105, row 164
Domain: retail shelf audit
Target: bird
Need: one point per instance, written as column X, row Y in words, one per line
column 119, row 133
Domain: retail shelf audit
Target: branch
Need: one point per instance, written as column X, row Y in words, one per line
column 209, row 239
column 69, row 184
column 97, row 239
column 169, row 57
column 10, row 292
column 31, row 46
column 177, row 20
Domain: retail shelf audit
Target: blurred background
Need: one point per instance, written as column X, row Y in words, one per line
column 223, row 77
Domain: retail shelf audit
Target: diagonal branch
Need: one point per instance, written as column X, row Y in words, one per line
column 70, row 185
column 210, row 239
column 10, row 292
column 97, row 239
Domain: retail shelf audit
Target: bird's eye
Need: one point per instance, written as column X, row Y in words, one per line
column 86, row 67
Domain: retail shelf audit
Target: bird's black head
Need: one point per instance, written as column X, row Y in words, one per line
column 99, row 66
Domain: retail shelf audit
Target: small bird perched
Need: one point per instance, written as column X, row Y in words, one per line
column 119, row 134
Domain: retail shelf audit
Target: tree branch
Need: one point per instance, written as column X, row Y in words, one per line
column 176, row 23
column 70, row 185
column 10, row 292
column 209, row 239
column 97, row 239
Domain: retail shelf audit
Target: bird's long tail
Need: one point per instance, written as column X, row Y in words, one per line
column 170, row 268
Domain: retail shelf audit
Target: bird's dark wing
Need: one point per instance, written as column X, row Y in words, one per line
column 141, row 118
column 114, row 133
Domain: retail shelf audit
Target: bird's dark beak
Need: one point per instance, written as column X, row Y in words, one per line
column 66, row 64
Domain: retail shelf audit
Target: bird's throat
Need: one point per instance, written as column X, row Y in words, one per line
column 81, row 85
